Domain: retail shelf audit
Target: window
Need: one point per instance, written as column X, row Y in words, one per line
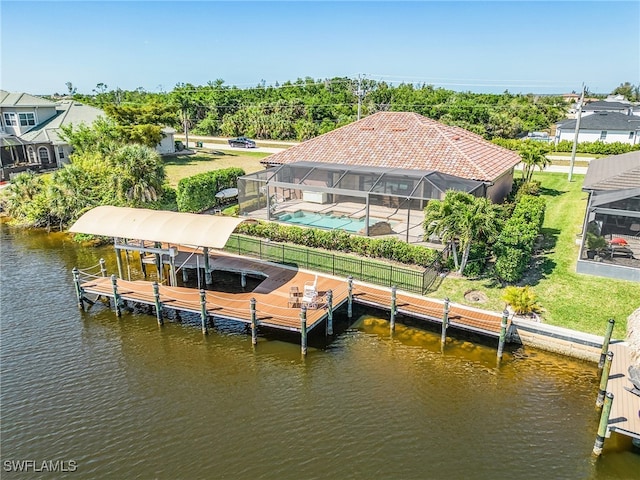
column 10, row 119
column 27, row 119
column 603, row 135
column 31, row 154
column 630, row 135
column 60, row 152
column 43, row 153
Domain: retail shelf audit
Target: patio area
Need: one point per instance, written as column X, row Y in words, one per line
column 370, row 201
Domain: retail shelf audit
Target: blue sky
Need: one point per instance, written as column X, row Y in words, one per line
column 481, row 46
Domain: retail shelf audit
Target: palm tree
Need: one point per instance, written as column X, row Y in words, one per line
column 462, row 217
column 521, row 299
column 139, row 174
column 533, row 155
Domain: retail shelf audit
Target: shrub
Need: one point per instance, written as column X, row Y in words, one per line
column 198, row 193
column 521, row 299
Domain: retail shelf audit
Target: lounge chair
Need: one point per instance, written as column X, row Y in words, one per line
column 310, row 294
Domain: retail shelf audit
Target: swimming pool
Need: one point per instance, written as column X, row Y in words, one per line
column 328, row 220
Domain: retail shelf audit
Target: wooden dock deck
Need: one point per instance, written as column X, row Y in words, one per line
column 625, row 409
column 273, row 307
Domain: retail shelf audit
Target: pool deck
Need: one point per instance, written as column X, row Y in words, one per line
column 395, row 216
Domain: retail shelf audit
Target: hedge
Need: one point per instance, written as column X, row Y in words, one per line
column 514, row 246
column 594, row 148
column 198, row 193
column 339, row 240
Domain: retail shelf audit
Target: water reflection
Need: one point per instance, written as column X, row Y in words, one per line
column 126, row 398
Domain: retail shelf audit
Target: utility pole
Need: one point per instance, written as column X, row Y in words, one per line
column 575, row 135
column 359, row 92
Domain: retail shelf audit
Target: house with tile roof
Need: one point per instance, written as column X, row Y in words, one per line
column 410, row 141
column 606, row 127
column 381, row 169
column 30, row 131
column 613, row 212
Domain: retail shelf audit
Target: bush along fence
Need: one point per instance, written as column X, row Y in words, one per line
column 366, row 270
column 198, row 193
column 514, row 246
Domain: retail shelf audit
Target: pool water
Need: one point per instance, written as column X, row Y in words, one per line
column 327, row 220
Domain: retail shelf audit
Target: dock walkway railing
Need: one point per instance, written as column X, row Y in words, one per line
column 371, row 271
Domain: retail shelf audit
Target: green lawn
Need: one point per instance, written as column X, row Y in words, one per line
column 579, row 302
column 181, row 166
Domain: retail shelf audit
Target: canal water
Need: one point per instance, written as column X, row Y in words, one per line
column 123, row 398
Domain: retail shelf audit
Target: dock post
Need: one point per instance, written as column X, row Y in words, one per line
column 156, row 296
column 605, row 343
column 103, row 268
column 116, row 296
column 445, row 323
column 119, row 262
column 76, row 281
column 143, row 267
column 207, row 268
column 330, row 312
column 604, row 379
column 254, row 323
column 185, row 275
column 243, row 279
column 503, row 333
column 159, row 266
column 172, row 268
column 393, row 308
column 203, row 311
column 349, row 296
column 303, row 329
column 604, row 423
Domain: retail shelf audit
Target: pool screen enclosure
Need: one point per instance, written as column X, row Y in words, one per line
column 361, row 188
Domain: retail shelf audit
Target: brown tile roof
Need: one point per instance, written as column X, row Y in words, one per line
column 405, row 140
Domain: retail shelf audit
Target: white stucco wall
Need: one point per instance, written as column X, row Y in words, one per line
column 594, row 136
column 167, row 144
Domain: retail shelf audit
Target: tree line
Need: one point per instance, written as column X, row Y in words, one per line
column 308, row 107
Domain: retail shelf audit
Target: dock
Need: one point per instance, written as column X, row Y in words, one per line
column 625, row 408
column 273, row 303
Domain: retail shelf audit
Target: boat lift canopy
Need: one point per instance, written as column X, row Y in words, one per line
column 210, row 231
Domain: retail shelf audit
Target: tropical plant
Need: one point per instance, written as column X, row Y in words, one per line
column 522, row 300
column 533, row 156
column 138, row 174
column 462, row 218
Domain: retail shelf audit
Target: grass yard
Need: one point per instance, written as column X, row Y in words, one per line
column 579, row 302
column 181, row 166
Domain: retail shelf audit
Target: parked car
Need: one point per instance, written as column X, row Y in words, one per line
column 242, row 142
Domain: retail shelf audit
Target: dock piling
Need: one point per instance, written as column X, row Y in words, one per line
column 605, row 343
column 116, row 295
column 445, row 323
column 349, row 296
column 207, row 270
column 503, row 333
column 330, row 312
column 119, row 262
column 156, row 296
column 243, row 279
column 604, row 424
column 393, row 308
column 303, row 329
column 604, row 379
column 103, row 267
column 254, row 323
column 203, row 311
column 76, row 281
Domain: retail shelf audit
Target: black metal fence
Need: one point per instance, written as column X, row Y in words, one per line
column 372, row 271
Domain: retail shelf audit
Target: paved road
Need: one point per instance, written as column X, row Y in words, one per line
column 220, row 143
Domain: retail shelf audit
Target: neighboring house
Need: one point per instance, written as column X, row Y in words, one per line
column 613, row 212
column 606, row 127
column 29, row 135
column 625, row 108
column 30, row 132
